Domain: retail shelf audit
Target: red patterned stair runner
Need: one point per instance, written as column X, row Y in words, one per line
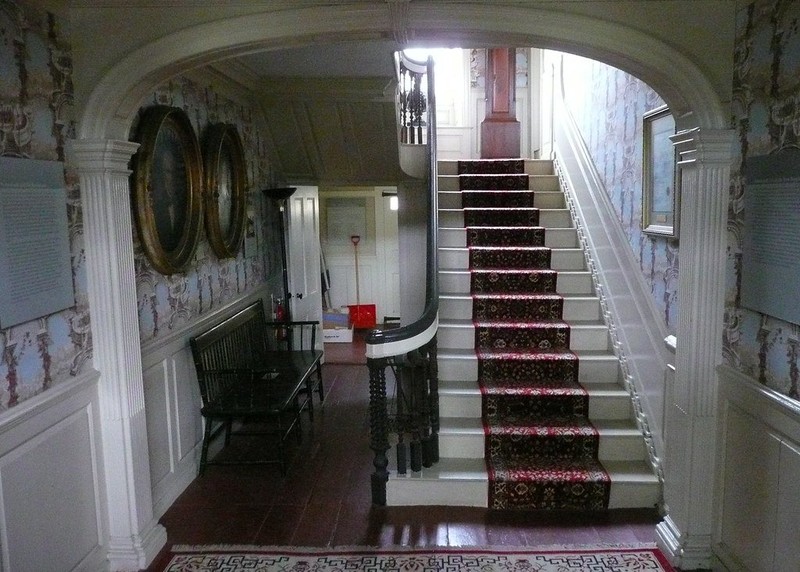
column 541, row 449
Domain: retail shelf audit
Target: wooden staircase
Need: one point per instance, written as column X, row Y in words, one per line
column 460, row 477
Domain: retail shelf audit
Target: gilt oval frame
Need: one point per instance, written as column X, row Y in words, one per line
column 225, row 197
column 167, row 188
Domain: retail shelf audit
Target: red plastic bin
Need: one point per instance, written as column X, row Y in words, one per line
column 362, row 315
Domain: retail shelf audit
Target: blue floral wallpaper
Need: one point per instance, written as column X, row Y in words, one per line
column 608, row 105
column 171, row 302
column 36, row 120
column 766, row 117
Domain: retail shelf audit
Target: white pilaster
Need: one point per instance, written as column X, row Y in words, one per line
column 133, row 537
column 704, row 163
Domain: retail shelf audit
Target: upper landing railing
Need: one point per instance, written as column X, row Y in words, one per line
column 409, row 352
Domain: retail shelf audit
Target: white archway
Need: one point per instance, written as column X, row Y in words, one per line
column 102, row 152
column 118, row 94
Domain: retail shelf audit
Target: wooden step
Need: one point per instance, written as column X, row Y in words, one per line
column 457, row 258
column 595, row 367
column 464, row 438
column 532, row 167
column 577, row 308
column 570, row 282
column 465, row 482
column 460, row 334
column 451, row 199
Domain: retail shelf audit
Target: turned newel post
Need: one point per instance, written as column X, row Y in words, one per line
column 378, row 428
column 500, row 130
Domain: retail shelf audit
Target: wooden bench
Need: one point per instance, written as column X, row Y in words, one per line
column 257, row 377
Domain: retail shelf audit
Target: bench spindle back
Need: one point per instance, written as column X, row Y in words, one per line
column 236, row 343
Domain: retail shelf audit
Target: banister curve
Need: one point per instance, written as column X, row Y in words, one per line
column 399, row 341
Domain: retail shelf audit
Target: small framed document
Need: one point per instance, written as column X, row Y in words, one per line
column 35, row 262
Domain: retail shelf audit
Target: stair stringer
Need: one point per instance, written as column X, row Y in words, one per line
column 618, row 345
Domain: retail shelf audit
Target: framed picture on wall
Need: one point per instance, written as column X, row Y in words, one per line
column 225, row 189
column 167, row 188
column 660, row 185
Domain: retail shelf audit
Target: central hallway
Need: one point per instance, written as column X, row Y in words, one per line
column 324, row 500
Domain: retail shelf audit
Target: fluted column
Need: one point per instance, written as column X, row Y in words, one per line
column 134, row 537
column 704, row 163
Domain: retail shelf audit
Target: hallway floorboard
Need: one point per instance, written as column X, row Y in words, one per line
column 324, row 500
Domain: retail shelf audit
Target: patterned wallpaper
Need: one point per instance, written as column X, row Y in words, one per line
column 171, row 302
column 36, row 119
column 608, row 105
column 766, row 117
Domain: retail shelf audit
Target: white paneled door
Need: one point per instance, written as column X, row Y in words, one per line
column 304, row 256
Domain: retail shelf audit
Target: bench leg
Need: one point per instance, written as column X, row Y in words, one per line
column 228, row 427
column 310, row 403
column 319, row 386
column 204, row 450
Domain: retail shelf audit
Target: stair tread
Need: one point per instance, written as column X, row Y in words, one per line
column 571, row 249
column 468, row 323
column 460, row 469
column 474, row 426
column 460, row 296
column 469, row 354
column 464, row 387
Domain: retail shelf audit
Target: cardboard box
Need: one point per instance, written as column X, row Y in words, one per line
column 337, row 335
column 332, row 320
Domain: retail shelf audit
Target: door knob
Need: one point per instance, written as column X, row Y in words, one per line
column 299, row 295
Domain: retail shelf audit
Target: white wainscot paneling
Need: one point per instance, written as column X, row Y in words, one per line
column 174, row 424
column 757, row 505
column 453, row 143
column 51, row 508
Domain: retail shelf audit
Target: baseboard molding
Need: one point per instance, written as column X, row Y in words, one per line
column 685, row 552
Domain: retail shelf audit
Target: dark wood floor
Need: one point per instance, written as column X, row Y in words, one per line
column 324, row 500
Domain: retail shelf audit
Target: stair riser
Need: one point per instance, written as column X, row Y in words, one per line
column 575, row 309
column 461, row 446
column 590, row 371
column 450, row 182
column 450, row 198
column 458, row 282
column 401, row 492
column 472, row 446
column 455, row 236
column 581, row 338
column 417, row 491
column 634, row 495
column 560, row 259
column 413, row 492
column 600, row 407
column 532, row 167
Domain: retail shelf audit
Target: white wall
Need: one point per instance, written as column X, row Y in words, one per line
column 378, row 254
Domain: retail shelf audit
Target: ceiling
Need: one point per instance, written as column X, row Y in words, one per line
column 329, row 110
column 367, row 58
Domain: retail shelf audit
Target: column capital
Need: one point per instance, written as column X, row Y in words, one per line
column 100, row 155
column 707, row 145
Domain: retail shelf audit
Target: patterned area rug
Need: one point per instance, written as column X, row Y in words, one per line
column 292, row 559
column 541, row 449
